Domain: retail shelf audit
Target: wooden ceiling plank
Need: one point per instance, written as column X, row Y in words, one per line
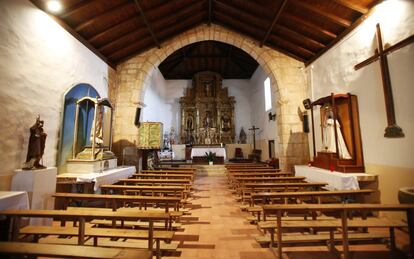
column 345, row 32
column 141, row 11
column 352, row 6
column 113, row 27
column 240, row 12
column 296, row 46
column 76, row 8
column 333, row 18
column 114, row 42
column 109, row 12
column 269, row 30
column 210, row 7
column 78, row 37
column 182, row 24
column 301, row 36
column 310, row 25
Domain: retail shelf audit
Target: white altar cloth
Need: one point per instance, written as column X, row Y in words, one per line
column 201, row 151
column 106, row 177
column 14, row 200
column 335, row 180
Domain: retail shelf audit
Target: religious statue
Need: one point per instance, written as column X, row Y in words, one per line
column 207, row 86
column 97, row 127
column 207, row 120
column 189, row 123
column 36, row 147
column 172, row 136
column 225, row 123
column 328, row 141
column 242, row 136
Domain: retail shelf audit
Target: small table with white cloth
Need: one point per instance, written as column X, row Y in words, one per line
column 201, row 151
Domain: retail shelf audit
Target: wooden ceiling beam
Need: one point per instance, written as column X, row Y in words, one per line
column 78, row 37
column 103, row 15
column 310, row 25
column 269, row 30
column 113, row 27
column 141, row 11
column 333, row 18
column 140, row 31
column 248, row 17
column 122, row 23
column 210, row 7
column 165, row 29
column 76, row 8
column 301, row 36
column 345, row 32
column 352, row 6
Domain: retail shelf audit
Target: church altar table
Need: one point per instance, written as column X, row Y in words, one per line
column 14, row 200
column 335, row 180
column 201, row 151
column 106, row 177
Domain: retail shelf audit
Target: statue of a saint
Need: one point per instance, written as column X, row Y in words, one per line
column 207, row 120
column 328, row 140
column 36, row 147
column 189, row 123
column 242, row 136
column 225, row 123
column 98, row 128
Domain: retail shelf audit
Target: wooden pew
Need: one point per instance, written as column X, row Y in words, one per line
column 184, row 172
column 71, row 251
column 345, row 211
column 233, row 177
column 115, row 200
column 152, row 181
column 86, row 216
column 178, row 191
column 164, row 176
column 266, row 196
column 242, row 181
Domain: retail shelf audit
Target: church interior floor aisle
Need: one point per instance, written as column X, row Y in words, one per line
column 217, row 228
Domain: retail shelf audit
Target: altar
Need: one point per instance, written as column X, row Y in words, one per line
column 201, row 151
column 97, row 179
column 335, row 180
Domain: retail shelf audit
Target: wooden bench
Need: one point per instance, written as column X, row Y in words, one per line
column 177, row 191
column 71, row 251
column 115, row 200
column 265, row 197
column 97, row 233
column 164, row 176
column 241, row 181
column 345, row 211
column 14, row 217
column 169, row 171
column 153, row 182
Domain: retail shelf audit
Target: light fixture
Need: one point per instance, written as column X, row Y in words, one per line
column 54, row 6
column 272, row 117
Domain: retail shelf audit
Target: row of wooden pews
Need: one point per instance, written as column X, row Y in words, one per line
column 122, row 217
column 291, row 211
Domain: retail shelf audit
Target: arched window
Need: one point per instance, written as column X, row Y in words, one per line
column 268, row 95
column 68, row 119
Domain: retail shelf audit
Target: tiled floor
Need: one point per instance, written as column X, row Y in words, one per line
column 217, row 228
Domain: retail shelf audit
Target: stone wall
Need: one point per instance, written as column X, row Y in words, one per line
column 288, row 86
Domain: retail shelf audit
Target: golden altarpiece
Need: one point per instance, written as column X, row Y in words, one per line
column 207, row 112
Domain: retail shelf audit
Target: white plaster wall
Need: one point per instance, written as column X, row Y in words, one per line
column 162, row 101
column 334, row 72
column 259, row 116
column 240, row 89
column 39, row 61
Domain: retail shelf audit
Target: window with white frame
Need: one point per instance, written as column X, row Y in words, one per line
column 268, row 95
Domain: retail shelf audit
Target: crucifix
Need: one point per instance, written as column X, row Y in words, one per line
column 254, row 136
column 392, row 130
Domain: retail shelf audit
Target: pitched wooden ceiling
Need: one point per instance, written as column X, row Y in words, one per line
column 117, row 30
column 230, row 62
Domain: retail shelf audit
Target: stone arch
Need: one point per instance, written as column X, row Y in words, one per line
column 134, row 78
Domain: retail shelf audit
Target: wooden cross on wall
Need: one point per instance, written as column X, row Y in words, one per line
column 392, row 130
column 254, row 136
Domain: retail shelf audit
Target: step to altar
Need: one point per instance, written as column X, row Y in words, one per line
column 210, row 169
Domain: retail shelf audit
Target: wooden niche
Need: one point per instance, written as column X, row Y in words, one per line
column 341, row 109
column 207, row 112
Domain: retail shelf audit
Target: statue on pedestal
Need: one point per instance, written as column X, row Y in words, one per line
column 36, row 147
